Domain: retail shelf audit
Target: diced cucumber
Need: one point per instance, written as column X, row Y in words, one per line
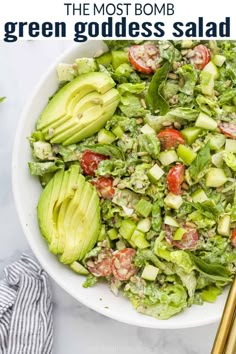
column 199, row 196
column 138, row 238
column 218, row 159
column 224, row 225
column 207, row 83
column 86, row 65
column 173, row 201
column 187, row 43
column 113, row 234
column 118, row 131
column 212, row 69
column 102, row 234
column 179, row 233
column 127, row 228
column 186, row 154
column 78, row 268
column 119, row 57
column 104, row 59
column 120, row 245
column 168, row 157
column 155, row 173
column 143, row 207
column 230, row 145
column 170, row 221
column 106, row 137
column 147, row 129
column 205, row 122
column 191, row 134
column 215, row 177
column 66, row 72
column 144, row 225
column 229, row 109
column 219, row 60
column 217, row 141
column 150, row 272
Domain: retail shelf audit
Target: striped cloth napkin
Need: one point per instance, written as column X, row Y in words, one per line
column 25, row 309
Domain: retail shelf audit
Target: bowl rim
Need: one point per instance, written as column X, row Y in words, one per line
column 159, row 324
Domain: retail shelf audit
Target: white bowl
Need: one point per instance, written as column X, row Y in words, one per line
column 26, row 192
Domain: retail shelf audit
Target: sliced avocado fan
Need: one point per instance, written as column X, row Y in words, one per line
column 79, row 109
column 69, row 215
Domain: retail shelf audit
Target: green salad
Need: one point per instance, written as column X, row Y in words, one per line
column 136, row 154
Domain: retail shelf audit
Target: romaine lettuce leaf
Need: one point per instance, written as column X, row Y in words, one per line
column 230, row 160
column 112, row 168
column 200, row 163
column 169, row 52
column 130, row 105
column 149, row 143
column 108, row 150
column 42, row 168
column 190, row 76
column 131, row 88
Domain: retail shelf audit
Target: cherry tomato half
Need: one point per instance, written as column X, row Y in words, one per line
column 170, row 138
column 90, row 161
column 175, row 178
column 122, row 264
column 144, row 58
column 233, row 237
column 189, row 240
column 228, row 129
column 200, row 56
column 101, row 266
column 104, row 187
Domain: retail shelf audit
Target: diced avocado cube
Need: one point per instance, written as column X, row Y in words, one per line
column 218, row 60
column 199, row 196
column 150, row 272
column 113, row 234
column 224, row 225
column 143, row 207
column 118, row 131
column 86, row 65
column 144, row 225
column 230, row 145
column 190, row 134
column 168, row 220
column 212, row 69
column 147, row 129
column 168, row 157
column 127, row 228
column 173, row 201
column 217, row 141
column 155, row 173
column 78, row 268
column 105, row 137
column 138, row 238
column 205, row 122
column 179, row 233
column 186, row 154
column 215, row 177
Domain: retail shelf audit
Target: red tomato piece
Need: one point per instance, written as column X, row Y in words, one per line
column 144, row 58
column 90, row 161
column 101, row 266
column 233, row 237
column 228, row 129
column 170, row 138
column 122, row 265
column 104, row 187
column 200, row 56
column 175, row 178
column 189, row 240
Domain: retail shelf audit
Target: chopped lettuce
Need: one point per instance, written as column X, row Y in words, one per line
column 200, row 163
column 190, row 77
column 230, row 160
column 149, row 143
column 112, row 168
column 130, row 105
column 42, row 168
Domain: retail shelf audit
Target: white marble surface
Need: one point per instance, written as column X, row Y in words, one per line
column 78, row 330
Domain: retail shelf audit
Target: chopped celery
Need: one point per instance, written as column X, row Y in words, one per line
column 113, row 234
column 191, row 134
column 199, row 196
column 144, row 225
column 218, row 60
column 138, row 238
column 170, row 221
column 105, row 137
column 186, row 154
column 143, row 207
column 118, row 131
column 127, row 228
column 205, row 122
column 224, row 225
column 150, row 272
column 207, row 83
column 119, row 57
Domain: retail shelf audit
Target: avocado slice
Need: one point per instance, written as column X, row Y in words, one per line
column 77, row 104
column 46, row 205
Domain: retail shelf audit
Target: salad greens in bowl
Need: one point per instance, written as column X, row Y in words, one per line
column 135, row 149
